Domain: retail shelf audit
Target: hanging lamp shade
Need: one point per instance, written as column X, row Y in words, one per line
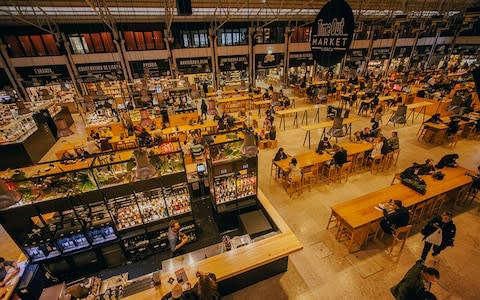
column 144, row 169
column 62, row 128
column 145, row 118
column 249, row 147
column 7, row 197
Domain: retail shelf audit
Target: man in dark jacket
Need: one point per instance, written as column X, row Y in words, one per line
column 415, row 283
column 397, row 218
column 445, row 224
column 340, row 156
column 448, row 160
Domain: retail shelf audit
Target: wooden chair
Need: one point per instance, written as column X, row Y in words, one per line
column 417, row 213
column 294, row 184
column 452, row 140
column 387, row 161
column 273, row 168
column 376, row 163
column 330, row 173
column 310, row 176
column 400, row 236
column 461, row 198
column 438, row 203
column 358, row 162
column 396, row 178
column 396, row 154
column 372, row 233
column 344, row 171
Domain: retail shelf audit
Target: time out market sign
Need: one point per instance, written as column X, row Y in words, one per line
column 332, row 33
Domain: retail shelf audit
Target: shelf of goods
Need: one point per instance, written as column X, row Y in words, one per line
column 233, row 178
column 92, row 205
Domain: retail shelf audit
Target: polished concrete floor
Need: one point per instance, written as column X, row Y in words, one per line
column 324, row 269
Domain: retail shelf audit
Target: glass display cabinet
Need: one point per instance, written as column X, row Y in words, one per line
column 152, row 206
column 125, row 212
column 97, row 222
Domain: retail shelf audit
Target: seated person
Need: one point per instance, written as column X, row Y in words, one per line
column 434, row 119
column 448, row 160
column 365, row 134
column 397, row 218
column 453, row 127
column 280, row 155
column 230, row 121
column 427, row 168
column 272, row 134
column 410, row 172
column 385, row 146
column 340, row 155
column 5, row 266
column 377, row 147
column 393, row 142
column 81, row 153
column 323, row 145
column 295, row 170
column 67, row 155
column 221, row 125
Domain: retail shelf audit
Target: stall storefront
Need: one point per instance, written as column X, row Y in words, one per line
column 401, row 58
column 379, row 61
column 196, row 70
column 437, row 60
column 355, row 59
column 467, row 55
column 233, row 72
column 419, row 57
column 148, row 78
column 7, row 93
column 269, row 68
column 300, row 65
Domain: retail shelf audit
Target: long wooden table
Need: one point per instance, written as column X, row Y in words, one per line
column 233, row 265
column 304, row 109
column 260, row 103
column 186, row 128
column 413, row 107
column 324, row 126
column 357, row 214
column 310, row 158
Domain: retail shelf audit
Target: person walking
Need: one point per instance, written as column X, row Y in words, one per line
column 439, row 233
column 416, row 282
column 204, row 109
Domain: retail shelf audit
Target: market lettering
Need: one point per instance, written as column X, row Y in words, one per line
column 149, row 65
column 43, row 71
column 331, row 29
column 329, row 42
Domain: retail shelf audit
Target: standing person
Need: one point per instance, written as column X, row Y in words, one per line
column 205, row 88
column 176, row 238
column 415, row 283
column 444, row 223
column 204, row 109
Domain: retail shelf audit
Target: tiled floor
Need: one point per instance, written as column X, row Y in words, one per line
column 324, row 269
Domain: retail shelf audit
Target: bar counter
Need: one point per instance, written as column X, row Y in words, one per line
column 239, row 267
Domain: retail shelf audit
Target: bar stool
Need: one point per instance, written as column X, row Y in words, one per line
column 417, row 213
column 461, row 199
column 437, row 205
column 396, row 177
column 387, row 161
column 377, row 161
column 295, row 184
column 358, row 162
column 400, row 236
column 310, row 176
column 396, row 154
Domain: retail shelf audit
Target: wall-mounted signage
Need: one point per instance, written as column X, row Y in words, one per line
column 233, row 63
column 155, row 68
column 380, row 53
column 194, row 65
column 401, row 52
column 443, row 49
column 267, row 61
column 42, row 75
column 357, row 54
column 297, row 59
column 100, row 70
column 332, row 33
column 422, row 51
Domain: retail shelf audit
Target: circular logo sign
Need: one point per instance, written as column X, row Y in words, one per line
column 332, row 33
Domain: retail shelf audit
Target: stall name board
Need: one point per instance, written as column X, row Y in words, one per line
column 332, row 33
column 233, row 63
column 270, row 60
column 403, row 51
column 42, row 75
column 380, row 53
column 156, row 68
column 356, row 54
column 422, row 51
column 297, row 59
column 98, row 68
column 442, row 49
column 194, row 65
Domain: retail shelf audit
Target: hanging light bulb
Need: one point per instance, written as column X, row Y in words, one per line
column 144, row 169
column 145, row 118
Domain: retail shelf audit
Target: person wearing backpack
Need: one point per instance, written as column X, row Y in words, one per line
column 438, row 234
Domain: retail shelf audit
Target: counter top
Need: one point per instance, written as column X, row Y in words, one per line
column 233, row 262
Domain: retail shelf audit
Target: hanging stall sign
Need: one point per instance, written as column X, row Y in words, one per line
column 233, row 63
column 194, row 65
column 155, row 68
column 297, row 59
column 267, row 61
column 42, row 75
column 332, row 33
column 380, row 53
column 465, row 49
column 443, row 49
column 356, row 54
column 109, row 70
column 401, row 52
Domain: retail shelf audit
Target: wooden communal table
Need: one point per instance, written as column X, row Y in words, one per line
column 304, row 110
column 209, row 124
column 385, row 98
column 324, row 125
column 357, row 214
column 310, row 158
column 259, row 104
column 413, row 107
column 235, row 269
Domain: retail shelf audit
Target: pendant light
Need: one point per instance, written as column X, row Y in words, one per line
column 144, row 169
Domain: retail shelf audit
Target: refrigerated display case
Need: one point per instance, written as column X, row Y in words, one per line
column 97, row 222
column 152, row 206
column 125, row 212
column 177, row 199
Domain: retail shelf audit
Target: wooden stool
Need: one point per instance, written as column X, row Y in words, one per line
column 395, row 178
column 310, row 176
column 417, row 213
column 387, row 161
column 358, row 162
column 295, row 183
column 396, row 154
column 262, row 144
column 344, row 171
column 400, row 235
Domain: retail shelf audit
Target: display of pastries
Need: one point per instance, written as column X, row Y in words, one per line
column 177, row 199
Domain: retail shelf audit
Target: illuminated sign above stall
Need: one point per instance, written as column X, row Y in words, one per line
column 332, row 33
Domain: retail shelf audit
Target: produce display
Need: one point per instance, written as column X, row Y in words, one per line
column 168, row 147
column 125, row 212
column 167, row 164
column 227, row 151
column 246, row 185
column 152, row 206
column 115, row 174
column 225, row 189
column 177, row 199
